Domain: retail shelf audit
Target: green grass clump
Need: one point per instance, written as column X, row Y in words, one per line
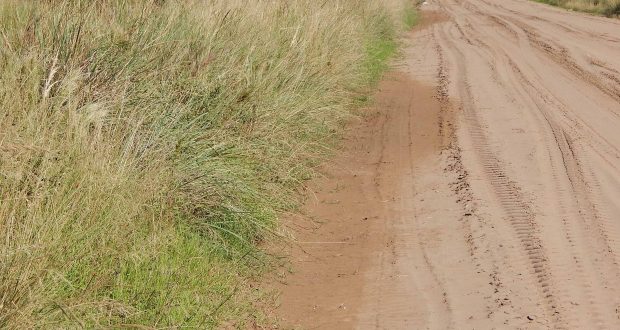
column 410, row 16
column 379, row 48
column 146, row 148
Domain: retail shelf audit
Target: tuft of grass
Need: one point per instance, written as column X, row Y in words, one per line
column 410, row 16
column 146, row 148
column 379, row 47
column 608, row 8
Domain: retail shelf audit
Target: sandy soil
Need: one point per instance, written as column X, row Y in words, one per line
column 483, row 190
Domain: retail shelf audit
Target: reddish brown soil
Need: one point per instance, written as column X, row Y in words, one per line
column 356, row 206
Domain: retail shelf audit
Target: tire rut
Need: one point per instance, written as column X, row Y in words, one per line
column 517, row 210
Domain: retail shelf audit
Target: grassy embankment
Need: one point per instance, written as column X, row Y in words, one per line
column 602, row 7
column 146, row 148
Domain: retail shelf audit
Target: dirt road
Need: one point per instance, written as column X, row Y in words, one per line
column 483, row 191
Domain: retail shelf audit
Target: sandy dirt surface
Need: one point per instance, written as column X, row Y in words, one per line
column 482, row 191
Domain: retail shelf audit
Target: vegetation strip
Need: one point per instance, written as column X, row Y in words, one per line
column 147, row 147
column 608, row 8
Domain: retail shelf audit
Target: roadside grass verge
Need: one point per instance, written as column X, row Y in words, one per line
column 609, row 8
column 146, row 148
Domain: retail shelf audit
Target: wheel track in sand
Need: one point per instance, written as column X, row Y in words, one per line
column 573, row 170
column 516, row 209
column 570, row 168
column 603, row 146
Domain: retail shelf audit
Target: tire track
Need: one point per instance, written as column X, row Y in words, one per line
column 517, row 210
column 604, row 146
column 557, row 53
column 570, row 168
column 583, row 187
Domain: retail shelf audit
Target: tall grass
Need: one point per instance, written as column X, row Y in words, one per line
column 146, row 148
column 603, row 7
